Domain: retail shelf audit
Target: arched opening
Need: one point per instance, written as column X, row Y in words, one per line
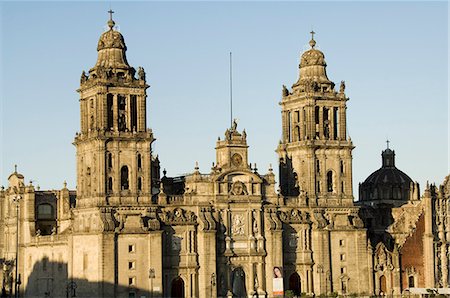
column 330, row 181
column 46, row 218
column 45, row 211
column 139, row 162
column 124, row 184
column 299, row 137
column 109, row 160
column 110, row 111
column 383, row 289
column 177, row 290
column 122, row 112
column 410, row 281
column 139, row 184
column 239, row 289
column 295, row 284
column 110, row 184
column 133, row 112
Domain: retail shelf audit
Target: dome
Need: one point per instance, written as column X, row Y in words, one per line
column 312, row 66
column 111, row 49
column 387, row 183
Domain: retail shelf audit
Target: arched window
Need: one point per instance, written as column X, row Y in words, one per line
column 330, row 181
column 110, row 184
column 124, row 182
column 139, row 162
column 139, row 184
column 177, row 290
column 110, row 111
column 289, row 127
column 411, row 281
column 109, row 160
column 45, row 211
column 295, row 284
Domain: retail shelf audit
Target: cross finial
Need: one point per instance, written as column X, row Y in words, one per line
column 387, row 142
column 15, row 168
column 312, row 42
column 110, row 11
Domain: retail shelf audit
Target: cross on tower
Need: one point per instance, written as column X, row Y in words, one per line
column 312, row 34
column 387, row 142
column 110, row 11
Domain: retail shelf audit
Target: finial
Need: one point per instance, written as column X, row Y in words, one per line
column 196, row 166
column 164, row 172
column 270, row 167
column 387, row 143
column 15, row 168
column 312, row 42
column 110, row 22
column 65, row 184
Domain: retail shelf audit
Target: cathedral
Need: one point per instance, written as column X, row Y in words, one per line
column 129, row 230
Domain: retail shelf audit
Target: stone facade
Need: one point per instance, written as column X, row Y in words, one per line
column 127, row 232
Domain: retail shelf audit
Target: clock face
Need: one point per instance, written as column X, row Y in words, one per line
column 236, row 159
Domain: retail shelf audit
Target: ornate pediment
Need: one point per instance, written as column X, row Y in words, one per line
column 295, row 216
column 179, row 216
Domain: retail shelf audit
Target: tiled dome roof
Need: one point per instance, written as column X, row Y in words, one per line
column 386, row 183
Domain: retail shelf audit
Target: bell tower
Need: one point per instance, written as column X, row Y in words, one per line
column 315, row 152
column 114, row 158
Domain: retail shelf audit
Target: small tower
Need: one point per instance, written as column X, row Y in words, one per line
column 232, row 152
column 114, row 145
column 315, row 152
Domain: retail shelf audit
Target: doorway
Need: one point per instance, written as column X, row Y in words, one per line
column 177, row 290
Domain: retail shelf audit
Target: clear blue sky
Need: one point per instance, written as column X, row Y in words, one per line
column 392, row 55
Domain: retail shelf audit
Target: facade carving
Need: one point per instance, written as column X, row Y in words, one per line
column 127, row 232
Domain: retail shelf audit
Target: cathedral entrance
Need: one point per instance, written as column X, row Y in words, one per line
column 295, row 284
column 239, row 289
column 177, row 290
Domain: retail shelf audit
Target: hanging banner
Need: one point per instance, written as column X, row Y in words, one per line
column 278, row 289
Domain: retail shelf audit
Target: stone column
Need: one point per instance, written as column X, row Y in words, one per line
column 342, row 123
column 321, row 124
column 128, row 112
column 115, row 112
column 108, row 257
column 428, row 240
column 155, row 241
column 444, row 264
column 331, row 123
column 207, row 260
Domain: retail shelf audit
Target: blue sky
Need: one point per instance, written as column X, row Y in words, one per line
column 392, row 55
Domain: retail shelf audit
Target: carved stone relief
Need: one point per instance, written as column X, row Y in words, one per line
column 238, row 225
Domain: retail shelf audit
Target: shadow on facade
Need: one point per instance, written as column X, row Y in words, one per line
column 50, row 279
column 288, row 178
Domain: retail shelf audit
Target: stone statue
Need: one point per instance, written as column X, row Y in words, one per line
column 342, row 87
column 84, row 77
column 227, row 134
column 122, row 124
column 285, row 91
column 141, row 73
column 234, row 126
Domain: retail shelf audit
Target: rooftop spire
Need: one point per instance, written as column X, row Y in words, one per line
column 111, row 23
column 387, row 143
column 312, row 42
